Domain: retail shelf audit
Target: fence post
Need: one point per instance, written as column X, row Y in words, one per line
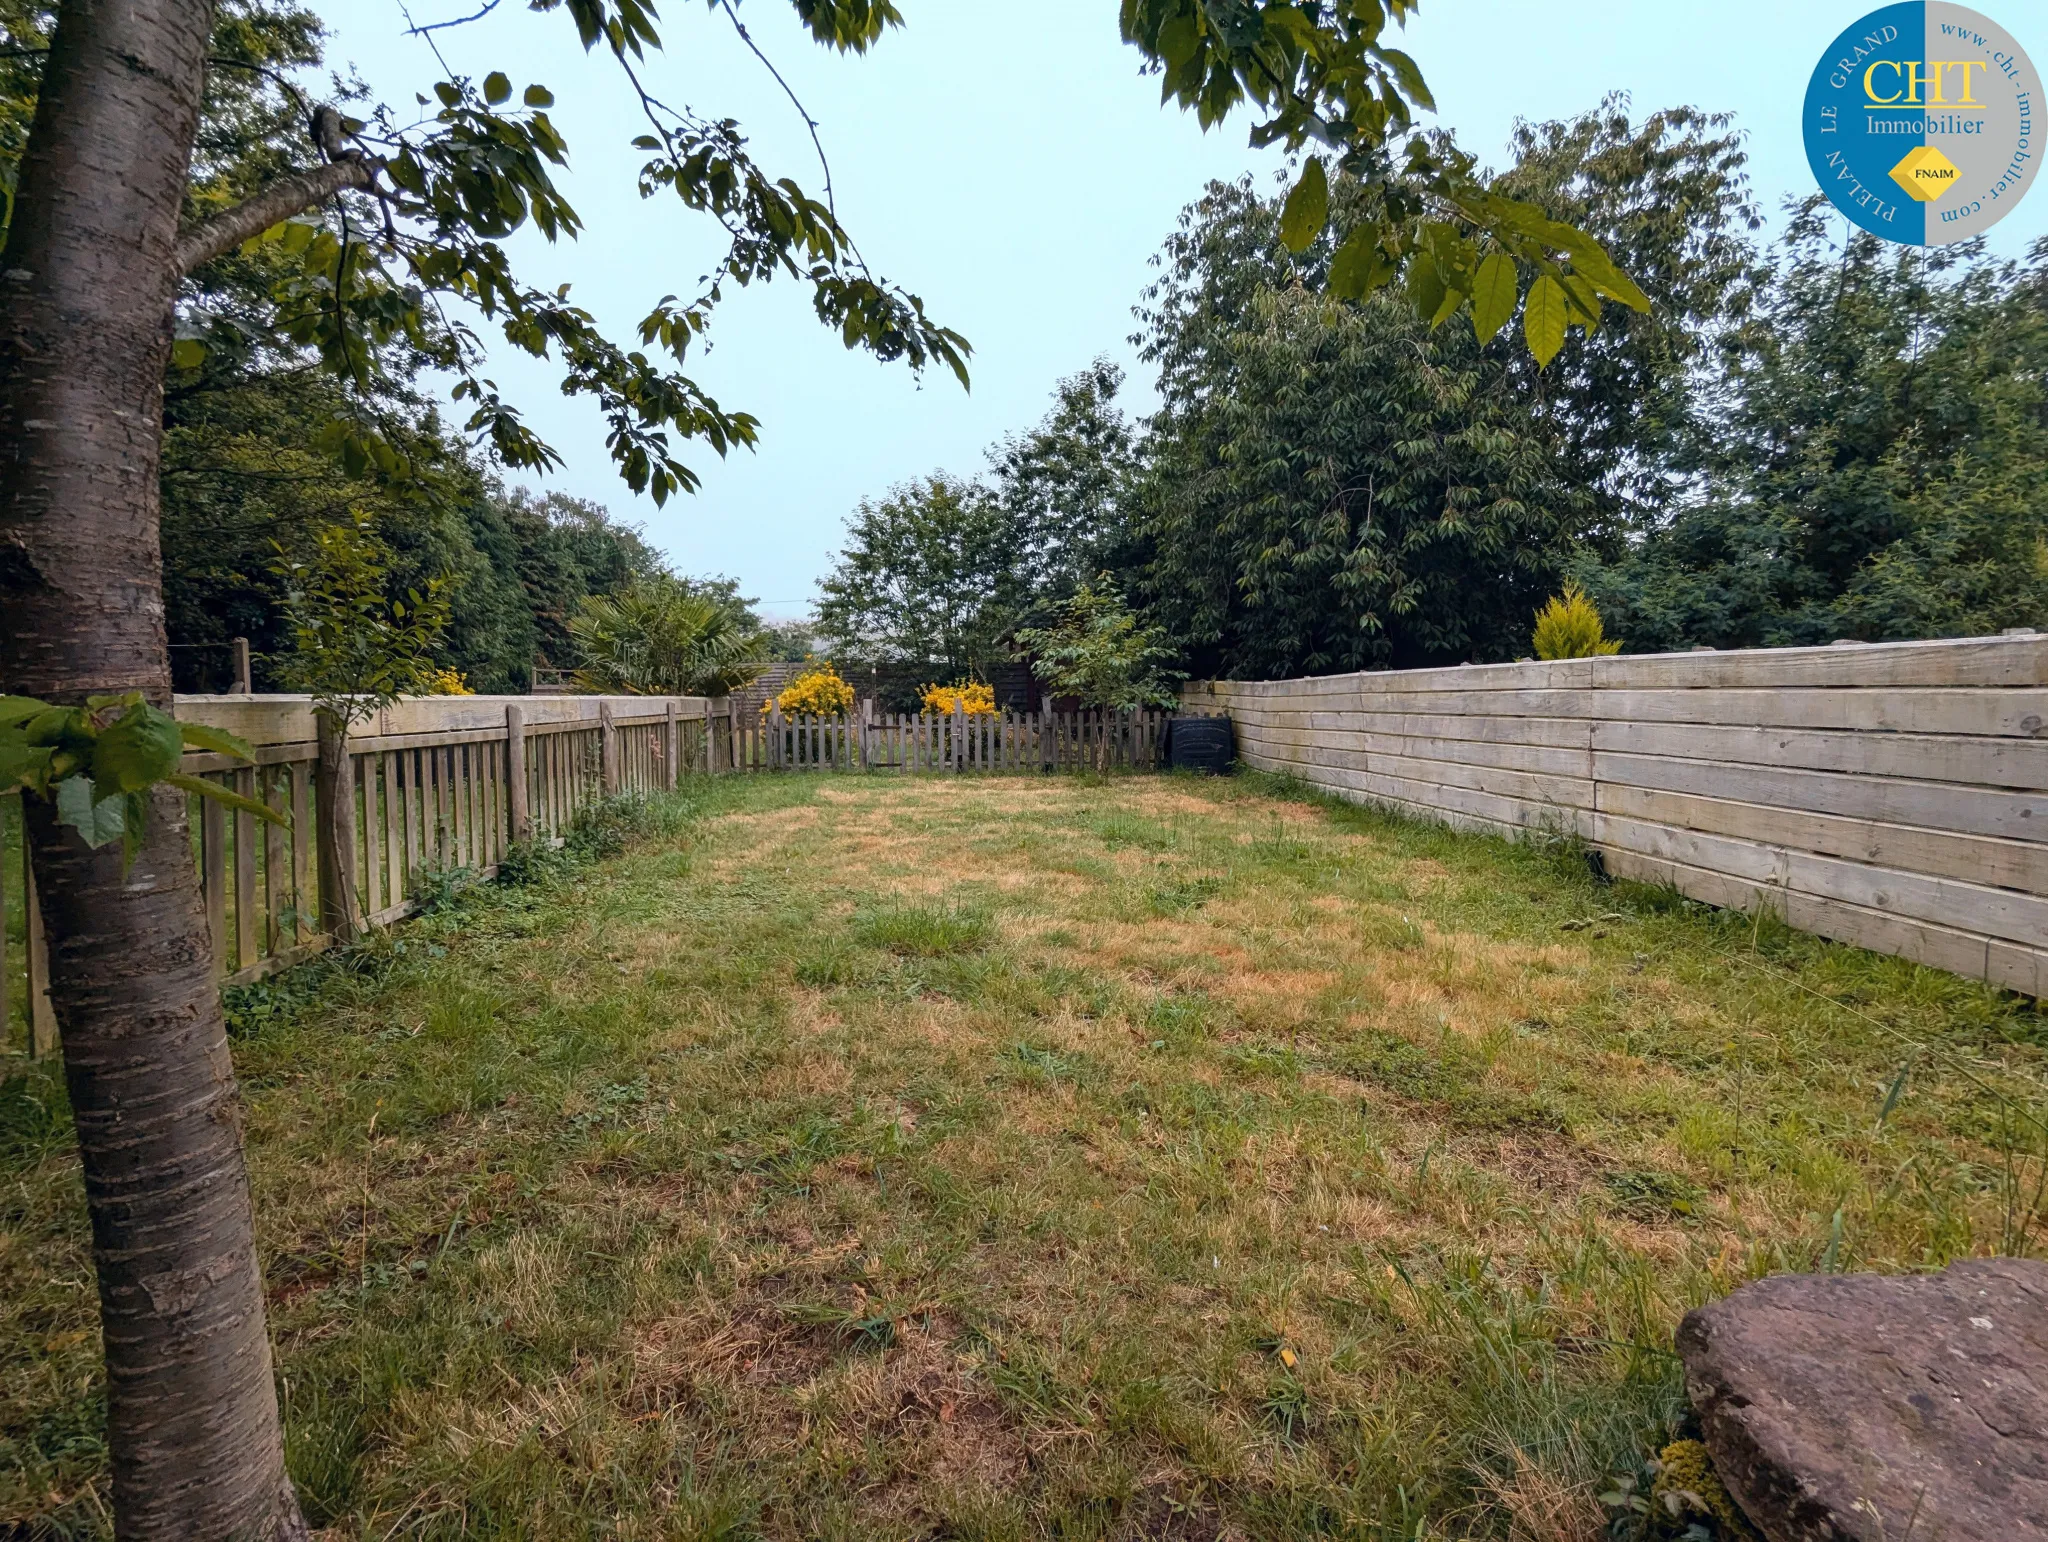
column 243, row 687
column 1047, row 752
column 732, row 747
column 860, row 752
column 515, row 772
column 336, row 813
column 608, row 749
column 959, row 731
column 671, row 744
column 42, row 1018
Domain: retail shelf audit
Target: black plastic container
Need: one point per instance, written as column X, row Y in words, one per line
column 1200, row 744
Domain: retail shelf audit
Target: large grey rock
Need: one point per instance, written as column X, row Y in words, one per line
column 1880, row 1408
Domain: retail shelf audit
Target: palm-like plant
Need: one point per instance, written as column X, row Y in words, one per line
column 666, row 637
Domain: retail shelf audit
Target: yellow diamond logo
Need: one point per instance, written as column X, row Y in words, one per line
column 1925, row 173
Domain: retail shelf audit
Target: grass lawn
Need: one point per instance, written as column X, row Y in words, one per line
column 883, row 1158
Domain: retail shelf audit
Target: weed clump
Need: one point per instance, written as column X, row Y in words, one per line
column 924, row 931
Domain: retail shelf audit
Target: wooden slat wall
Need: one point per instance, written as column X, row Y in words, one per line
column 1891, row 795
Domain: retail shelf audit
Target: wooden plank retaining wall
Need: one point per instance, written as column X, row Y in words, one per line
column 1891, row 795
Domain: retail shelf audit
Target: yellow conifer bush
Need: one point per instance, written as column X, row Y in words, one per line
column 817, row 693
column 970, row 696
column 1569, row 627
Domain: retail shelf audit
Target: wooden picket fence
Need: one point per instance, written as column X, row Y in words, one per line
column 431, row 786
column 441, row 785
column 940, row 742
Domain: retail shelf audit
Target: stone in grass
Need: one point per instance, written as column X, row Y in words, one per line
column 1880, row 1408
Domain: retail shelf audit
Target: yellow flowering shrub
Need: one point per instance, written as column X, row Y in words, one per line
column 970, row 696
column 445, row 682
column 819, row 693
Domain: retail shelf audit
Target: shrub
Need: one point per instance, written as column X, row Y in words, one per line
column 818, row 693
column 667, row 636
column 1569, row 627
column 1098, row 651
column 445, row 682
column 969, row 696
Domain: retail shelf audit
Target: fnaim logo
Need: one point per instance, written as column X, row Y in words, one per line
column 1921, row 123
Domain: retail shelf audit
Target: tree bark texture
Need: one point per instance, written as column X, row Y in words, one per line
column 86, row 285
column 335, row 800
column 279, row 201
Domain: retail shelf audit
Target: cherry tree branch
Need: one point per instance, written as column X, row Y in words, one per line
column 223, row 232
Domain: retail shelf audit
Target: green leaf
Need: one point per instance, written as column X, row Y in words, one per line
column 200, row 737
column 1591, row 259
column 447, row 93
column 1178, row 40
column 187, row 353
column 53, row 725
column 497, row 88
column 539, row 96
column 1307, row 209
column 1585, row 301
column 1360, row 266
column 19, row 709
column 98, row 820
column 144, row 747
column 1833, row 1254
column 1453, row 298
column 1409, row 75
column 24, row 765
column 1425, row 285
column 1897, row 1091
column 1494, row 292
column 234, row 800
column 1543, row 319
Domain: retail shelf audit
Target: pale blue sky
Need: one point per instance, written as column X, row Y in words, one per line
column 1006, row 162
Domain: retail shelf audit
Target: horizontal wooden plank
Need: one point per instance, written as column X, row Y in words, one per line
column 1949, row 902
column 1967, row 661
column 1561, row 791
column 2016, row 816
column 289, row 719
column 2017, row 763
column 1964, row 661
column 1503, row 809
column 2011, row 713
column 1923, row 942
column 271, row 963
column 2015, row 713
column 2018, row 865
column 2017, row 968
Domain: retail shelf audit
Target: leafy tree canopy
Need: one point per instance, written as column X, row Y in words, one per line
column 1331, row 487
column 1878, row 469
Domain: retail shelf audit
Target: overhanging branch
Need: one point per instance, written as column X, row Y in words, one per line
column 222, row 233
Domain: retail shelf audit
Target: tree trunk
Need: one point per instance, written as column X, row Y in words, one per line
column 334, row 797
column 86, row 285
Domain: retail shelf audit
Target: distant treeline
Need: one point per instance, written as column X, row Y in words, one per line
column 1826, row 437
